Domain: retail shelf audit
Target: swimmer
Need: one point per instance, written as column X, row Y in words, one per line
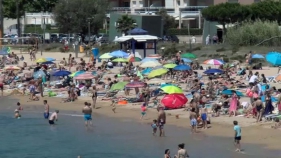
column 193, row 121
column 17, row 111
column 87, row 111
column 47, row 108
column 53, row 117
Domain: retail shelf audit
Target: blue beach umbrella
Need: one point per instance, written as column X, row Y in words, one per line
column 212, row 71
column 257, row 56
column 229, row 92
column 62, row 73
column 119, row 54
column 48, row 62
column 147, row 59
column 146, row 71
column 182, row 68
column 186, row 60
column 4, row 52
column 168, row 84
column 274, row 58
column 273, row 99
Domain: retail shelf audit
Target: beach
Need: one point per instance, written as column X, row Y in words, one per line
column 258, row 139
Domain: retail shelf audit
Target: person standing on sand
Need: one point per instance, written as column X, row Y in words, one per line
column 53, row 117
column 237, row 136
column 47, row 109
column 70, row 61
column 259, row 108
column 94, row 96
column 161, row 119
column 193, row 120
column 40, row 86
column 2, row 78
column 87, row 111
column 233, row 103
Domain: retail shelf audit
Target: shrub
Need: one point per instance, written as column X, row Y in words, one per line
column 192, row 31
column 251, row 33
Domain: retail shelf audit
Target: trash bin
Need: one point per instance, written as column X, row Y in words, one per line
column 95, row 52
column 81, row 48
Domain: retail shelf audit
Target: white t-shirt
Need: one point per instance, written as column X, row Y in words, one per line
column 109, row 64
column 253, row 79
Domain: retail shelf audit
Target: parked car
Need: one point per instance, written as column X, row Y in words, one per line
column 102, row 38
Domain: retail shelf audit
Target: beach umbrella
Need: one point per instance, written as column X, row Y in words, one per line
column 119, row 54
column 50, row 59
column 186, row 60
column 118, row 86
column 122, row 60
column 273, row 99
column 150, row 64
column 168, row 84
column 257, row 56
column 11, row 67
column 62, row 73
column 188, row 55
column 157, row 72
column 146, row 71
column 154, row 56
column 212, row 71
column 38, row 74
column 84, row 76
column 148, row 59
column 174, row 101
column 135, row 84
column 274, row 58
column 74, row 74
column 170, row 66
column 213, row 62
column 48, row 62
column 135, row 59
column 41, row 60
column 105, row 56
column 229, row 92
column 172, row 89
column 182, row 67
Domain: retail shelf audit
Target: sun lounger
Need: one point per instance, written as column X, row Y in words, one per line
column 278, row 116
column 269, row 117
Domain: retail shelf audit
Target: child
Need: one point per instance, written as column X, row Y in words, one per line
column 154, row 127
column 17, row 111
column 113, row 105
column 193, row 121
column 204, row 118
column 237, row 136
column 143, row 110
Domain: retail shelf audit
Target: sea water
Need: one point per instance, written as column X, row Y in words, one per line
column 32, row 137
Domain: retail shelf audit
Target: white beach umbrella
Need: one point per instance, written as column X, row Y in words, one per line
column 150, row 64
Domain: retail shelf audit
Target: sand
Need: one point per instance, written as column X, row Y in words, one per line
column 221, row 126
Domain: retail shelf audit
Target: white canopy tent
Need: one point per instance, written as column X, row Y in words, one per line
column 138, row 38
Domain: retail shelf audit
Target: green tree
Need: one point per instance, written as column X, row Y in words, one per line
column 226, row 13
column 10, row 7
column 168, row 21
column 73, row 16
column 125, row 24
column 266, row 10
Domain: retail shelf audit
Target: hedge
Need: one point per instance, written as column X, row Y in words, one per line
column 193, row 31
column 31, row 29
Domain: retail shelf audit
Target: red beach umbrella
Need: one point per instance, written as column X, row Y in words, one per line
column 174, row 101
column 135, row 84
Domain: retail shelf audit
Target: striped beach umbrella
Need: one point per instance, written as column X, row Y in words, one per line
column 213, row 62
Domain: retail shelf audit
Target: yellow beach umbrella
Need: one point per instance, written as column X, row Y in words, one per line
column 172, row 89
column 170, row 66
column 105, row 56
column 157, row 72
column 41, row 60
column 123, row 60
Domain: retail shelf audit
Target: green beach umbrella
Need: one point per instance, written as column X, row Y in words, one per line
column 170, row 66
column 188, row 55
column 123, row 60
column 157, row 72
column 172, row 89
column 137, row 59
column 105, row 56
column 118, row 86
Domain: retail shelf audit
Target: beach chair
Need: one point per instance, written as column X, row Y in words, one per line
column 110, row 94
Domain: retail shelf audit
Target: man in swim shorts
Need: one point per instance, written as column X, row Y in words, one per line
column 53, row 117
column 193, row 121
column 87, row 111
column 161, row 121
column 47, row 108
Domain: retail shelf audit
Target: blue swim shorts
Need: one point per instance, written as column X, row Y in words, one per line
column 204, row 116
column 87, row 117
column 193, row 122
column 46, row 115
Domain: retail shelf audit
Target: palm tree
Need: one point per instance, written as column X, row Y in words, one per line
column 125, row 24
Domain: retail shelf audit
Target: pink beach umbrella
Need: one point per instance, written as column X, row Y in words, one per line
column 213, row 62
column 85, row 76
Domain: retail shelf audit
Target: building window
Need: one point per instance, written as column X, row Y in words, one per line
column 232, row 1
column 134, row 3
column 179, row 2
column 141, row 3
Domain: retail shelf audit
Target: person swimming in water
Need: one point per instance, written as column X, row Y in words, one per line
column 17, row 111
column 53, row 117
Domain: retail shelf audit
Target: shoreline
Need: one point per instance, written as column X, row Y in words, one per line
column 254, row 134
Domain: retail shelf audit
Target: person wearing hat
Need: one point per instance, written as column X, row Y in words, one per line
column 53, row 117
